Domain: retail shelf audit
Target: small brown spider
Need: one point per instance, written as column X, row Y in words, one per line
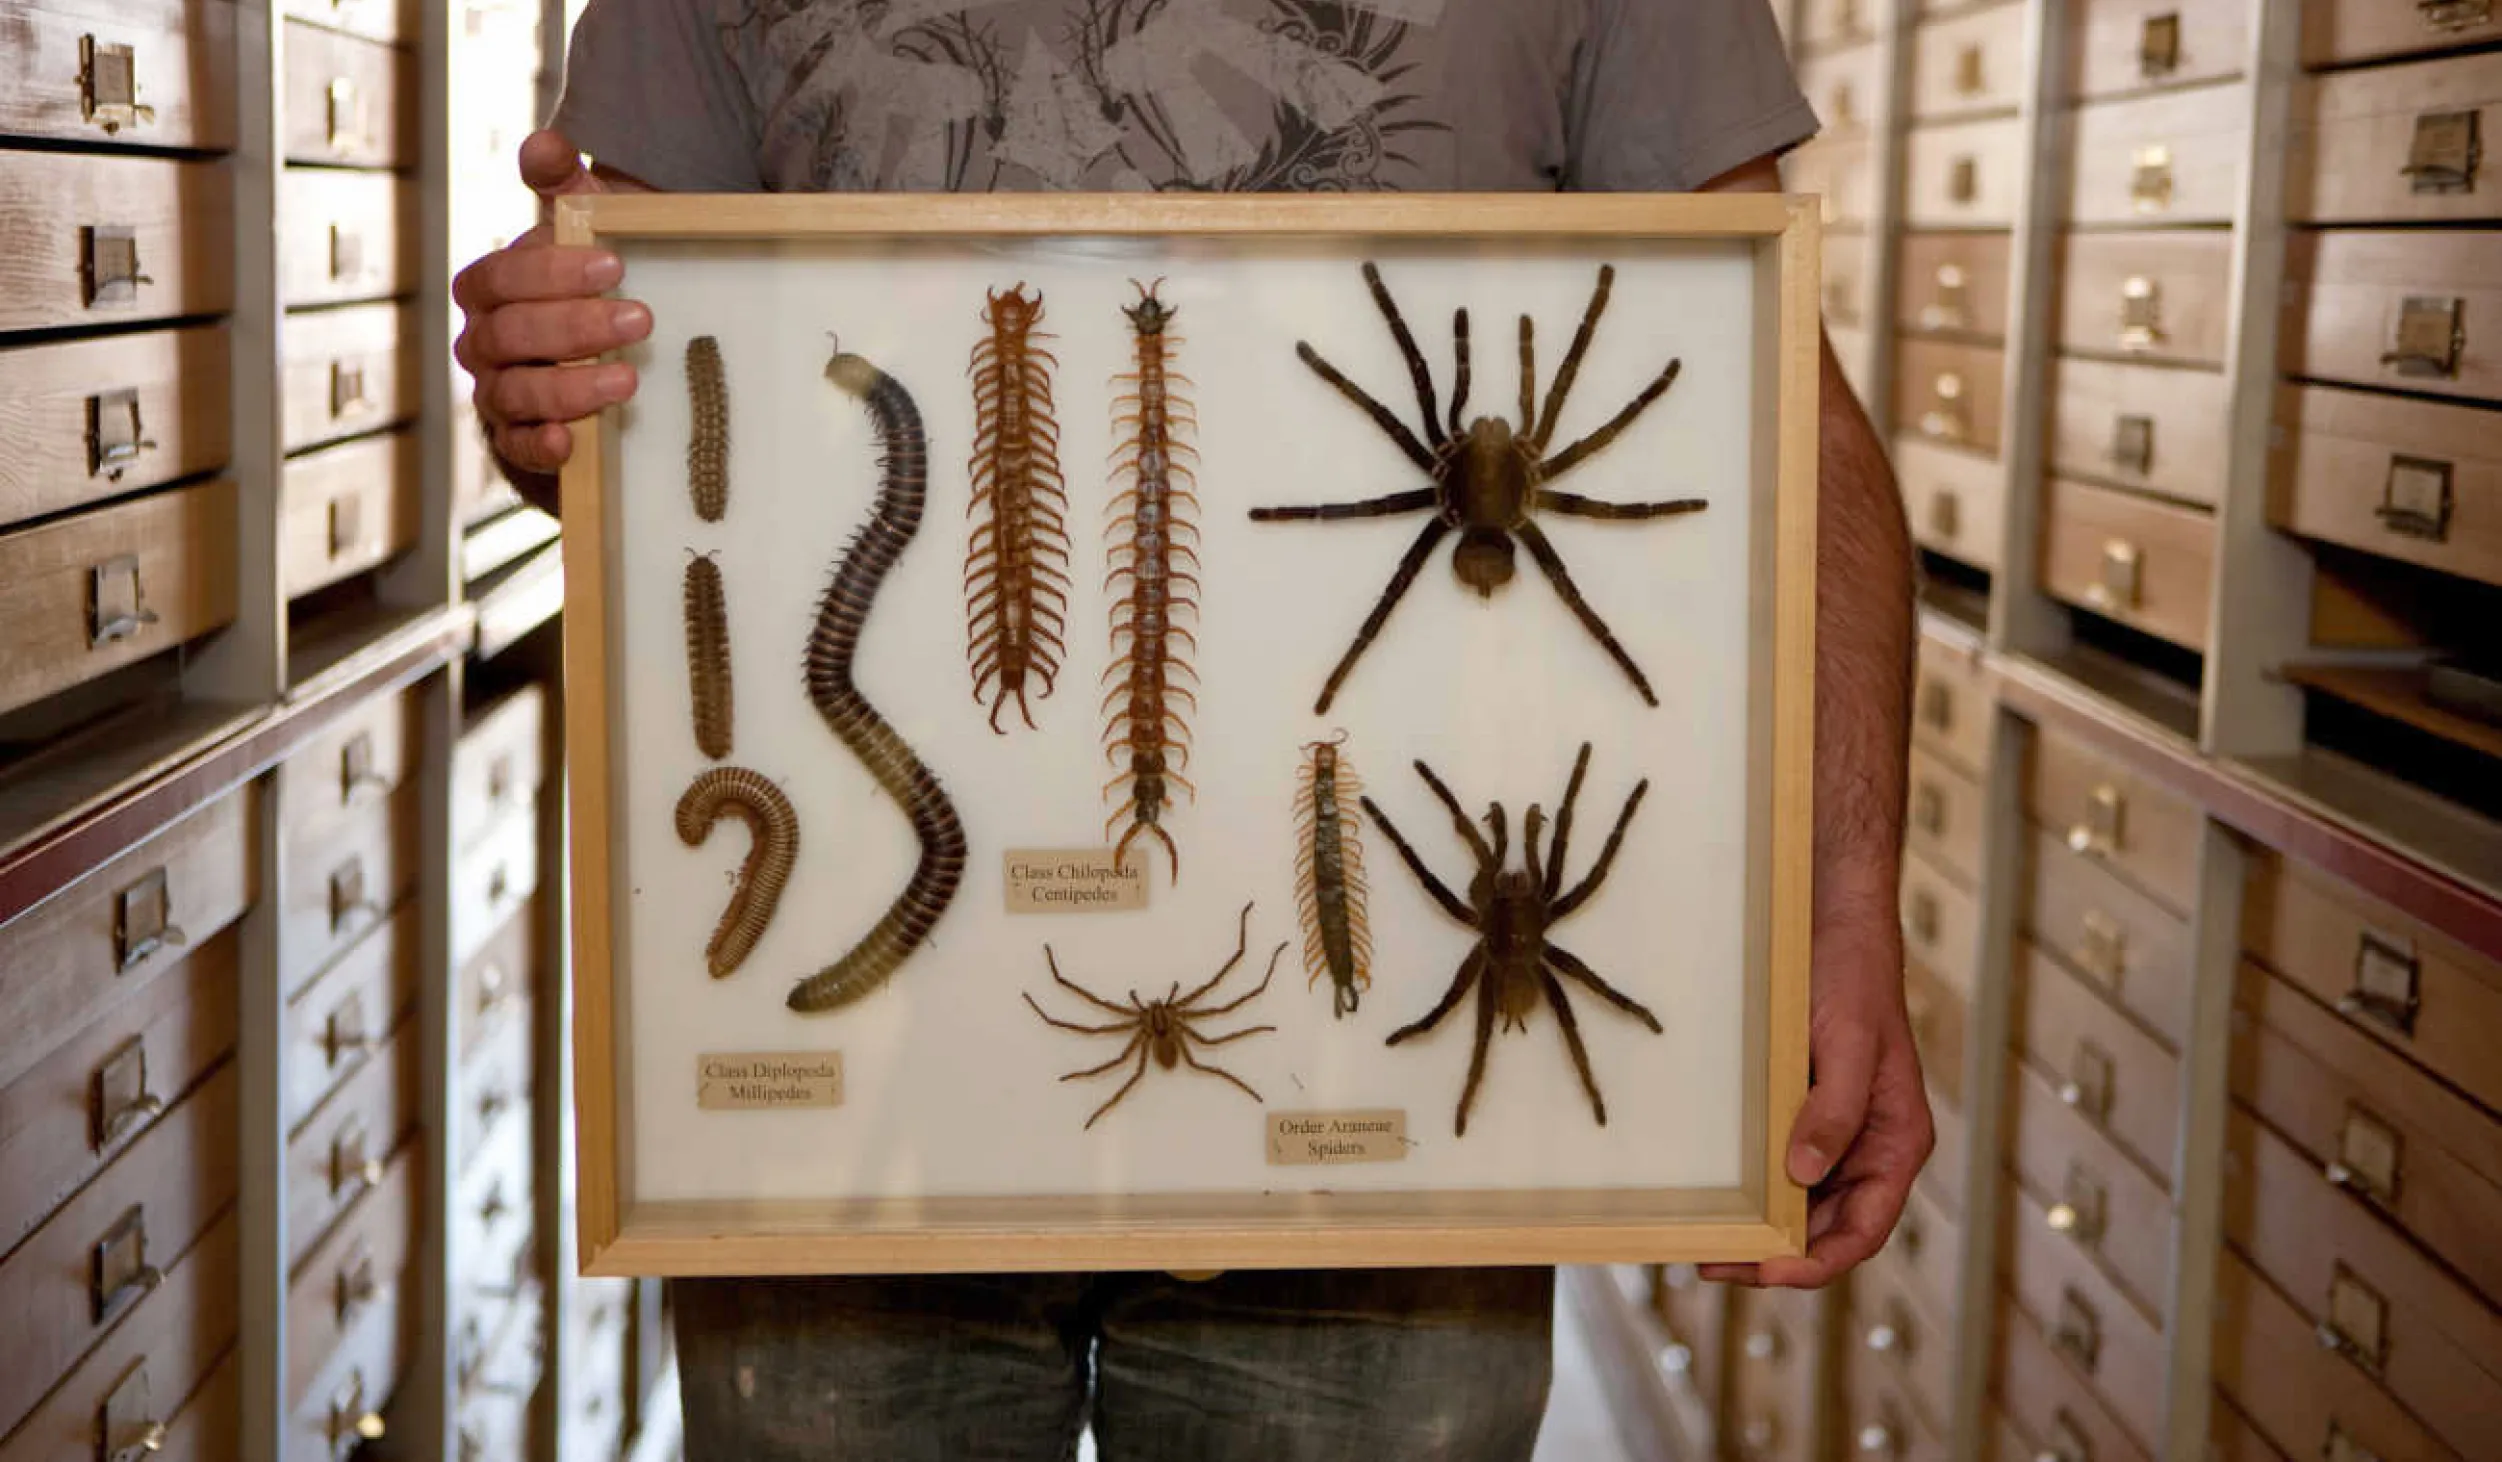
column 1163, row 1028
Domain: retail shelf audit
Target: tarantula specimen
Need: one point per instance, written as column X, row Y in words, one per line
column 1164, row 1030
column 1514, row 963
column 1489, row 478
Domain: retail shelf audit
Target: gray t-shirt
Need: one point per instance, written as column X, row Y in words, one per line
column 1296, row 95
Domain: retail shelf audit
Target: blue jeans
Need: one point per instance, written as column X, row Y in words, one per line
column 1384, row 1365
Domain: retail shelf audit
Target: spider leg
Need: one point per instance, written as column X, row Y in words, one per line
column 1569, row 458
column 1070, row 1025
column 1554, row 880
column 1566, row 962
column 1572, row 1042
column 1528, row 376
column 1467, row 830
column 1397, row 588
column 1381, row 415
column 1416, row 369
column 1054, row 962
column 1499, row 823
column 1195, row 1064
column 1242, row 941
column 1607, row 856
column 1561, row 386
column 1552, row 564
column 1573, row 504
column 1124, row 1091
column 1232, row 1005
column 1371, row 507
column 1471, row 972
column 1476, row 1058
column 1126, row 1052
column 1451, row 902
column 1228, row 1038
column 1459, row 380
column 1530, row 827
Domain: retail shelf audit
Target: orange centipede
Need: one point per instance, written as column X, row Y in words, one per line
column 1330, row 891
column 1147, row 733
column 708, row 440
column 1015, row 566
column 708, row 656
column 773, row 845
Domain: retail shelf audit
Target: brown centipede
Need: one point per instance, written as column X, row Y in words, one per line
column 708, row 656
column 773, row 844
column 1330, row 891
column 1015, row 566
column 1145, row 723
column 708, row 441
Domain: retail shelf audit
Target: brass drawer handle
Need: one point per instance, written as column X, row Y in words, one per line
column 495, row 989
column 2079, row 1213
column 2450, row 15
column 1928, row 809
column 2133, row 443
column 118, row 1271
column 116, row 437
column 347, row 523
column 2159, row 46
column 1764, row 1345
column 2091, row 1075
column 350, row 1167
column 2141, row 314
column 2150, row 179
column 2357, row 1323
column 108, row 89
column 1949, row 418
column 1891, row 1335
column 2370, row 1154
column 347, row 895
column 347, row 389
column 351, row 1421
column 2415, row 500
column 1945, row 515
column 2431, row 336
column 491, row 1106
column 1922, row 918
column 2119, row 584
column 357, row 1288
column 1912, row 1237
column 1963, row 179
column 2444, row 154
column 1937, row 705
column 2067, row 1440
column 347, row 253
column 117, row 603
column 1676, row 1358
column 127, row 1425
column 1880, row 1439
column 499, row 778
column 143, row 922
column 356, row 769
column 1950, row 307
column 2384, row 986
column 345, row 127
column 110, row 265
column 2078, row 1332
column 499, row 884
column 121, row 1101
column 2106, row 819
column 2102, row 946
column 344, row 1031
column 1971, row 74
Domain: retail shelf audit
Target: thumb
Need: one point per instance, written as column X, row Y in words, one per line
column 1836, row 1109
column 552, row 167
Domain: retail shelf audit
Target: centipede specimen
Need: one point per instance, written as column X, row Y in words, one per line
column 1329, row 888
column 708, row 443
column 773, row 845
column 708, row 656
column 903, row 470
column 1145, row 725
column 1015, row 567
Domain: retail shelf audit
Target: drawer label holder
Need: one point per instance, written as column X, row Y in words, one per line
column 2415, row 501
column 2431, row 336
column 2444, row 154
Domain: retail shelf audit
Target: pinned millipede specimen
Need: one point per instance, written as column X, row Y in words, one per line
column 1329, row 888
column 1164, row 1029
column 1488, row 478
column 1513, row 964
column 773, row 843
column 708, row 656
column 1144, row 707
column 903, row 467
column 708, row 444
column 1015, row 568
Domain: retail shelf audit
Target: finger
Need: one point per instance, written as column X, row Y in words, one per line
column 549, row 161
column 1836, row 1108
column 1747, row 1276
column 539, row 447
column 535, row 270
column 1863, row 1214
column 561, row 330
column 527, row 394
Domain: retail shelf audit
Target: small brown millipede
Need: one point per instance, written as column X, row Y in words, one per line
column 773, row 844
column 708, row 441
column 708, row 656
column 1330, row 891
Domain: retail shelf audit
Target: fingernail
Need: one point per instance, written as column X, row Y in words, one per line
column 604, row 270
column 1808, row 1165
column 616, row 381
column 630, row 320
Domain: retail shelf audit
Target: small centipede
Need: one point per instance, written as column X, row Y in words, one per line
column 1145, row 723
column 1015, row 567
column 773, row 845
column 708, row 656
column 708, row 441
column 903, row 467
column 1330, row 891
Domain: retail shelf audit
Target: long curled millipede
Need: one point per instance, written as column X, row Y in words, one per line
column 708, row 656
column 1015, row 567
column 1329, row 888
column 1144, row 707
column 903, row 466
column 708, row 442
column 773, row 844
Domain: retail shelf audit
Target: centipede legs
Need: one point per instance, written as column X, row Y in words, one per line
column 773, row 845
column 1015, row 567
column 1330, row 891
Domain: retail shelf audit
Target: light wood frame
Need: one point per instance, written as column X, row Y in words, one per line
column 1763, row 1216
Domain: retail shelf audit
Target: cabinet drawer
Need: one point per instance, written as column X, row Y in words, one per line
column 2398, row 144
column 495, row 983
column 1952, row 707
column 493, row 1422
column 2338, row 31
column 595, row 1408
column 333, row 779
column 346, row 236
column 1826, row 24
column 2146, row 564
column 1693, row 1315
column 2121, row 1079
column 1926, row 1251
column 2111, row 813
column 479, row 489
column 346, row 1403
column 2175, row 157
column 1941, row 925
column 2152, row 428
column 1963, row 174
column 496, row 766
column 494, row 1090
column 1950, row 1165
column 1945, row 815
column 2134, row 951
column 339, row 887
column 2417, row 481
column 1954, row 284
column 2301, row 1397
column 2153, row 296
column 2231, row 1437
column 1772, row 1377
column 341, row 1154
column 1844, row 87
column 143, row 73
column 88, row 419
column 1843, row 174
column 86, row 595
column 491, row 881
column 347, row 372
column 349, row 101
column 347, row 509
column 2101, row 1202
column 96, row 947
column 335, row 1025
column 494, row 1232
column 88, row 239
column 2046, row 1398
column 1968, row 64
column 1881, row 1423
column 1938, row 1016
column 1849, row 283
column 1950, row 393
column 2410, row 311
column 2117, row 46
column 86, row 1102
column 1956, row 499
column 355, row 1272
column 1894, row 1332
column 376, row 20
column 2094, row 1328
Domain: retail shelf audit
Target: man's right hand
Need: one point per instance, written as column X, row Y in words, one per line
column 532, row 306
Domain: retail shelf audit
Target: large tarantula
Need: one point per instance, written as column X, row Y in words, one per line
column 1514, row 963
column 1488, row 478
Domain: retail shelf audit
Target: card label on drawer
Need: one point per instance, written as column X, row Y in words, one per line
column 1073, row 881
column 768, row 1081
column 1305, row 1139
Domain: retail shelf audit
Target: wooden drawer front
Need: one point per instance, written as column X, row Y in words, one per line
column 2337, row 31
column 2411, row 311
column 1963, row 174
column 1941, row 925
column 1950, row 393
column 491, row 881
column 495, row 983
column 349, row 101
column 1882, row 1422
column 2387, row 975
column 595, row 1408
column 1843, row 174
column 2101, row 1201
column 93, row 593
column 1968, row 64
column 2369, row 1295
column 2417, row 481
column 92, row 1097
column 1950, row 1164
column 602, row 1311
column 2301, row 1396
column 347, row 509
column 2151, row 296
column 2171, row 158
column 89, row 419
column 494, row 1090
column 2046, row 1398
column 82, row 1273
column 334, row 779
column 2118, row 46
column 342, row 1153
column 1825, row 24
column 2399, row 144
column 2371, row 1125
column 1938, row 1015
column 2231, row 1437
column 145, row 73
column 2146, row 564
column 2085, row 1318
column 1695, row 1315
column 356, row 1271
column 496, row 767
column 348, row 236
column 2111, row 1072
column 2108, row 812
column 348, row 372
column 1772, row 1378
column 1844, row 88
column 493, row 1422
column 1954, row 284
column 95, row 948
column 1945, row 815
column 1952, row 709
column 1849, row 267
column 1905, row 1337
column 2153, row 428
column 494, row 1253
column 376, row 20
column 1956, row 499
column 87, row 239
column 2135, row 952
column 338, row 888
column 346, row 1402
column 1924, row 1252
column 478, row 487
column 336, row 1024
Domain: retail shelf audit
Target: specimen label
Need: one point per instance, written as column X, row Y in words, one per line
column 1305, row 1139
column 1073, row 881
column 768, row 1081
